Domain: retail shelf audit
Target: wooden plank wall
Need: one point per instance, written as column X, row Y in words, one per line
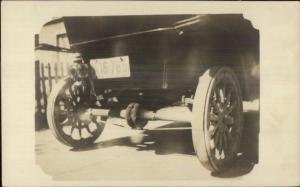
column 46, row 76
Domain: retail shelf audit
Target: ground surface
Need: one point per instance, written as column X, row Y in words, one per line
column 163, row 151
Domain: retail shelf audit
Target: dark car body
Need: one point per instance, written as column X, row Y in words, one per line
column 168, row 52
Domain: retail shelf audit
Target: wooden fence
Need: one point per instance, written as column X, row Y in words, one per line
column 46, row 76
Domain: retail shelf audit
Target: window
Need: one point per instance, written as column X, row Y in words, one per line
column 62, row 41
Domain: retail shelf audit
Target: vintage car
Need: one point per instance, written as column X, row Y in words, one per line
column 190, row 68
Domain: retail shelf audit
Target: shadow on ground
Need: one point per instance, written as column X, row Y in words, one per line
column 170, row 139
column 161, row 140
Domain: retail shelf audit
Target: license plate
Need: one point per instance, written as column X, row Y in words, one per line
column 116, row 67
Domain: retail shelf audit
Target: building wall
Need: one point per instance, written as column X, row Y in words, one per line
column 54, row 34
column 49, row 33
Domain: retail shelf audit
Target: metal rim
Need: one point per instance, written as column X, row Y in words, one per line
column 66, row 102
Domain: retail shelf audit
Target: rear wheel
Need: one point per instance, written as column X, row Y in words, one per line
column 217, row 118
column 67, row 101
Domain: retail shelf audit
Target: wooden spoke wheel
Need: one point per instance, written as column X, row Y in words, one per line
column 66, row 103
column 217, row 118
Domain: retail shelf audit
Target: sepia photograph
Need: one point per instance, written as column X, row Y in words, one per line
column 111, row 94
column 186, row 85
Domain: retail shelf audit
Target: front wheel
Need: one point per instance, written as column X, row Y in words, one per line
column 67, row 101
column 217, row 118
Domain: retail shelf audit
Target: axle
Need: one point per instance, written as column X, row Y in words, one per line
column 172, row 113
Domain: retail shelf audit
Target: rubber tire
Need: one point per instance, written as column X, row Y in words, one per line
column 199, row 120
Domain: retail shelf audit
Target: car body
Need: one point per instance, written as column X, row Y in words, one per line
column 168, row 51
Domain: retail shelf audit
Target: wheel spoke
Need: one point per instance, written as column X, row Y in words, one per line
column 88, row 129
column 74, row 98
column 229, row 120
column 228, row 96
column 213, row 117
column 222, row 156
column 66, row 122
column 81, row 90
column 222, row 95
column 216, row 106
column 220, row 140
column 217, row 153
column 78, row 87
column 219, row 108
column 224, row 90
column 212, row 130
column 74, row 122
column 229, row 137
column 230, row 108
column 79, row 127
column 218, row 95
column 225, row 139
column 217, row 139
column 77, row 93
column 72, row 129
